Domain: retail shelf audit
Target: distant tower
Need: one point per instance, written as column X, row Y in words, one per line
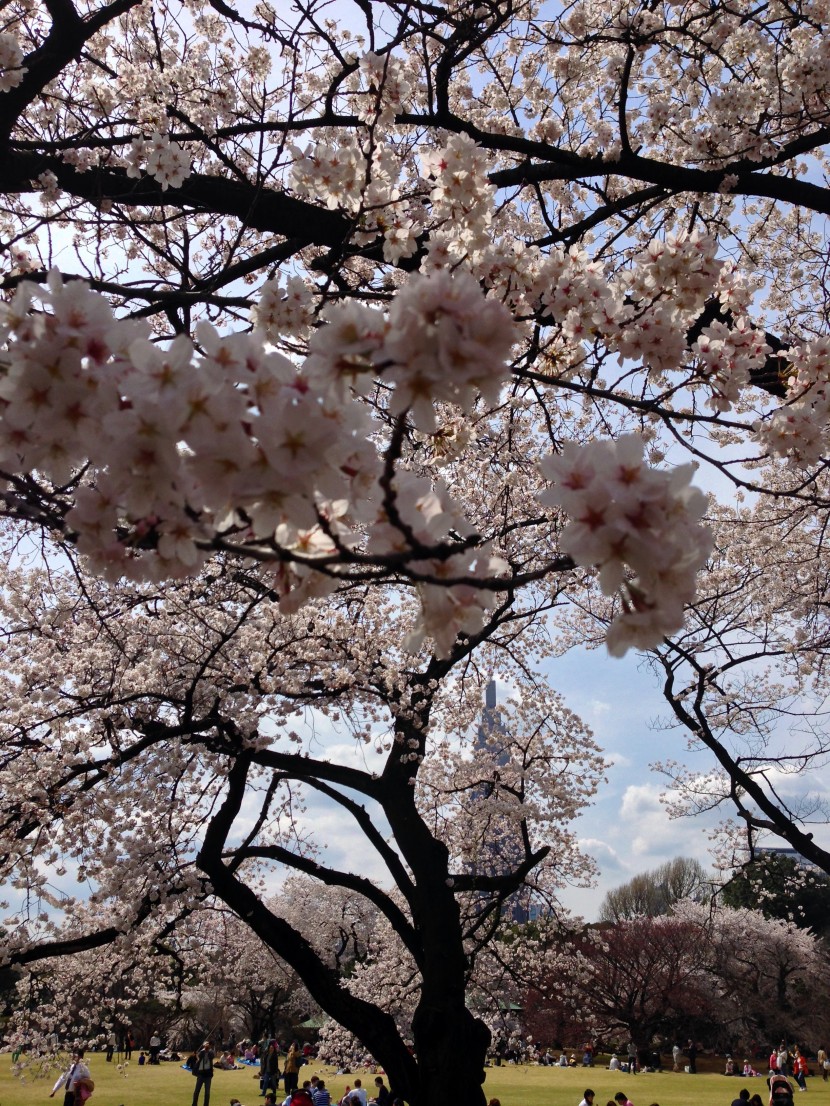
column 503, row 850
column 491, row 726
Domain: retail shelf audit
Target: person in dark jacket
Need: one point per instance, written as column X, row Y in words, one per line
column 203, row 1072
column 269, row 1070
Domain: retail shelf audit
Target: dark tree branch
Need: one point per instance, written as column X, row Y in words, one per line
column 376, row 1029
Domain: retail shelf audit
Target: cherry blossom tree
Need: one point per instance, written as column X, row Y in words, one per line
column 167, row 755
column 781, row 888
column 719, row 975
column 236, row 982
column 638, row 979
column 342, row 347
column 765, row 973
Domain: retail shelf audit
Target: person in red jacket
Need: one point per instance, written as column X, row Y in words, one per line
column 800, row 1069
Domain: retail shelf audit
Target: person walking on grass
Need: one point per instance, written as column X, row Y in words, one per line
column 800, row 1068
column 631, row 1051
column 71, row 1079
column 269, row 1070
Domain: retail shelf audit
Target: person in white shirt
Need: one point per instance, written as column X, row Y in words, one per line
column 588, row 1099
column 155, row 1048
column 359, row 1092
column 70, row 1078
column 614, row 1063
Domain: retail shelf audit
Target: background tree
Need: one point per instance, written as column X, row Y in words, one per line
column 644, row 980
column 721, row 976
column 267, row 999
column 655, row 892
column 780, row 888
column 769, row 976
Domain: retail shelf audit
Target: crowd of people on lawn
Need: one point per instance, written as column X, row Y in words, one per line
column 312, row 1092
column 78, row 1084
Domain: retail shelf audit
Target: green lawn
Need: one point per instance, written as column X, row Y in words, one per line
column 169, row 1085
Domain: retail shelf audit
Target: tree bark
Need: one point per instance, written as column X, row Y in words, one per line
column 449, row 1041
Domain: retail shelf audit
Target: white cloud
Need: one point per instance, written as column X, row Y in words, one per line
column 605, row 855
column 655, row 837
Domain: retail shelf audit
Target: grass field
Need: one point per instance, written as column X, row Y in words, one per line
column 169, row 1085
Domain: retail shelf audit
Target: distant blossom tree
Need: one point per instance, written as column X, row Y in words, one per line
column 638, row 980
column 781, row 888
column 339, row 357
column 713, row 973
column 769, row 975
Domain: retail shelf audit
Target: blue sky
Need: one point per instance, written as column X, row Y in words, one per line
column 627, row 829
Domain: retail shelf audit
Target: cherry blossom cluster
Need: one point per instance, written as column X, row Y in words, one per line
column 437, row 344
column 336, row 173
column 162, row 158
column 232, row 440
column 640, row 526
column 686, row 111
column 643, row 313
column 387, row 89
column 798, row 430
column 347, row 177
column 726, row 356
column 283, row 311
column 462, row 196
column 187, row 445
column 669, row 284
column 12, row 71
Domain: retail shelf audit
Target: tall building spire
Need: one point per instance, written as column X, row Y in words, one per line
column 490, row 695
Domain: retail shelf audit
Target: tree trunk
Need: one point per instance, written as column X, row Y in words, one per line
column 450, row 1044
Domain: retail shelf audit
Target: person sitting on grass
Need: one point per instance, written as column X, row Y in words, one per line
column 321, row 1095
column 383, row 1096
